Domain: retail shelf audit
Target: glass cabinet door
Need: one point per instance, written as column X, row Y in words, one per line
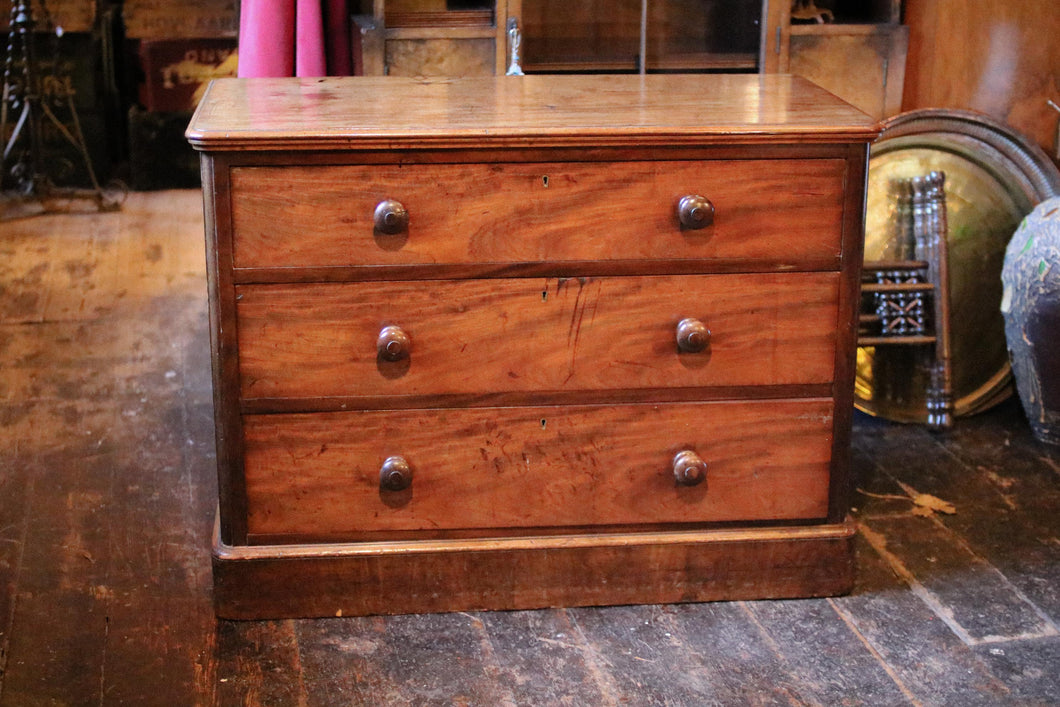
column 634, row 35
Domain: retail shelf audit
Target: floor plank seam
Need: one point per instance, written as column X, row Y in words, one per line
column 795, row 700
column 5, row 648
column 609, row 692
column 103, row 660
column 489, row 658
column 879, row 544
column 881, row 661
column 303, row 694
column 1050, row 625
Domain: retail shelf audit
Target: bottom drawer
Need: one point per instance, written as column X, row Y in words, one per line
column 317, row 476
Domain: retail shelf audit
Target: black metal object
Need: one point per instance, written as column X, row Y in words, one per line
column 28, row 103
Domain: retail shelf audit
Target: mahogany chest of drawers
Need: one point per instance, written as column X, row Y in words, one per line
column 522, row 342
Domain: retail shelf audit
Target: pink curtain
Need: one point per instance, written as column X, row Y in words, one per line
column 294, row 38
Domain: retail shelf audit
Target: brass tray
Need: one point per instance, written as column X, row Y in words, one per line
column 994, row 178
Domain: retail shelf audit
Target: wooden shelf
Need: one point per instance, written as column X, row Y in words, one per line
column 440, row 32
column 885, row 265
column 896, row 287
column 895, row 339
column 838, row 29
column 677, row 62
column 450, row 18
column 704, row 61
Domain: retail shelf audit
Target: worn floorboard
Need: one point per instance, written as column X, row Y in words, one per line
column 829, row 662
column 107, row 496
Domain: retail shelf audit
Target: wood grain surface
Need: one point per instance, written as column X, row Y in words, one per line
column 765, row 210
column 522, row 573
column 317, row 475
column 441, row 56
column 864, row 64
column 403, row 113
column 1008, row 74
column 488, row 336
column 538, row 289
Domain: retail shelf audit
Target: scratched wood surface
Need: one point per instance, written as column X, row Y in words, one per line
column 509, row 213
column 318, row 475
column 107, row 496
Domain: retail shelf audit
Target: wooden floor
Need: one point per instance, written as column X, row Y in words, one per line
column 106, row 505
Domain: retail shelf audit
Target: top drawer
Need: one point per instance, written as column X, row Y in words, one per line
column 783, row 212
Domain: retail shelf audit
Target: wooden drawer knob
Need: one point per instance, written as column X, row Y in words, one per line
column 695, row 212
column 689, row 468
column 395, row 474
column 692, row 335
column 393, row 343
column 391, row 217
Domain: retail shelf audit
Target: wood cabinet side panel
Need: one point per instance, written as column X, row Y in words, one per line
column 862, row 68
column 224, row 348
column 847, row 330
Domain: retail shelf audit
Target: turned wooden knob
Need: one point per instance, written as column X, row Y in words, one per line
column 393, row 343
column 692, row 335
column 391, row 217
column 695, row 212
column 395, row 474
column 689, row 468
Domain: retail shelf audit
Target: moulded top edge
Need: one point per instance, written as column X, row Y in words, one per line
column 393, row 112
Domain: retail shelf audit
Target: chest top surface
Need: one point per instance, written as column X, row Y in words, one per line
column 403, row 113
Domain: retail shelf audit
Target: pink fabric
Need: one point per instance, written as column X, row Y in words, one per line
column 266, row 38
column 309, row 39
column 287, row 38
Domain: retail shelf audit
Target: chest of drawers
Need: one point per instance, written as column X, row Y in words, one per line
column 523, row 342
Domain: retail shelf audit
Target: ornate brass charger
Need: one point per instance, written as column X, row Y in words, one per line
column 994, row 177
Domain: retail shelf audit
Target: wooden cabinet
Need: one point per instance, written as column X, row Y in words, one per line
column 432, row 37
column 858, row 54
column 863, row 64
column 507, row 342
column 629, row 35
column 470, row 37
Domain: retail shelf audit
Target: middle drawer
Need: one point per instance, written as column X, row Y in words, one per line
column 480, row 337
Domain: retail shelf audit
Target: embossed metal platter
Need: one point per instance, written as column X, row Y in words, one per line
column 994, row 177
